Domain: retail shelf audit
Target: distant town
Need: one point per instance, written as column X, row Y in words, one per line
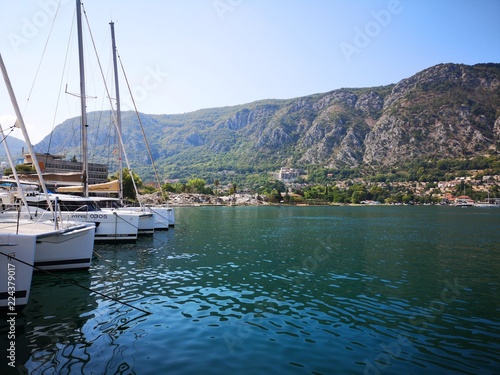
column 290, row 186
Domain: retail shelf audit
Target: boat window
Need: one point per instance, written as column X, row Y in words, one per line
column 78, row 206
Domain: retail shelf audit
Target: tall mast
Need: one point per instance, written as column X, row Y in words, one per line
column 83, row 100
column 118, row 111
column 14, row 172
column 20, row 124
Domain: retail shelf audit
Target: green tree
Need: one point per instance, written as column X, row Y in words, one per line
column 233, row 189
column 274, row 196
column 128, row 185
column 377, row 193
column 337, row 195
column 179, row 187
column 216, row 184
column 359, row 193
column 20, row 168
column 269, row 185
column 168, row 187
column 148, row 189
column 197, row 185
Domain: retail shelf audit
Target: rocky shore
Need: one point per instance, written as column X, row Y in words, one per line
column 187, row 199
column 192, row 199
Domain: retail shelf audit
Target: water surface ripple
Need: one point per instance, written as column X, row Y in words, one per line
column 282, row 290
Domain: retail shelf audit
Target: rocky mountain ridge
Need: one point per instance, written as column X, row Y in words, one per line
column 446, row 111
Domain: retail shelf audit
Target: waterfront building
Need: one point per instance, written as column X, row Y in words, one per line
column 59, row 171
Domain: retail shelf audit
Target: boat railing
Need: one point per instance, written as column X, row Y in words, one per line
column 83, row 207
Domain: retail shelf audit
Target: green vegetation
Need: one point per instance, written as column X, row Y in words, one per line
column 128, row 186
column 326, row 186
column 20, row 168
column 335, row 136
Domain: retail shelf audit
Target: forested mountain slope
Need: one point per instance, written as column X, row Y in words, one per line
column 446, row 111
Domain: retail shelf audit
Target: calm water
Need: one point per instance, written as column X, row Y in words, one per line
column 279, row 290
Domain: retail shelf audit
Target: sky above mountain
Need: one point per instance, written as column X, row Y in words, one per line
column 180, row 56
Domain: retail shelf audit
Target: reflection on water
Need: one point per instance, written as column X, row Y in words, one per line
column 256, row 290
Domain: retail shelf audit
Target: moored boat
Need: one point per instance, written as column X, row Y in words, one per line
column 68, row 248
column 163, row 215
column 464, row 201
column 111, row 225
column 72, row 246
column 17, row 255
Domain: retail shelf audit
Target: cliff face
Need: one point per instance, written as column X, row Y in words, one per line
column 448, row 111
column 445, row 111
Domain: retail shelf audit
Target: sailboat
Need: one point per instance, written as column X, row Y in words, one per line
column 57, row 246
column 488, row 203
column 163, row 216
column 111, row 226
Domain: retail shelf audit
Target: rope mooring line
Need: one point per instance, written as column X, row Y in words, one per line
column 76, row 284
column 105, row 261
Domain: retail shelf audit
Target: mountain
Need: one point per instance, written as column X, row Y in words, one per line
column 446, row 111
column 16, row 147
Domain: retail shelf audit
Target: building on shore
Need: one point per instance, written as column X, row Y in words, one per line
column 60, row 172
column 288, row 174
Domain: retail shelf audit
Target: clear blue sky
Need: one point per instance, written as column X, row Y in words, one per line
column 184, row 55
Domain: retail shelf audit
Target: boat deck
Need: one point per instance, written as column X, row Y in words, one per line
column 29, row 227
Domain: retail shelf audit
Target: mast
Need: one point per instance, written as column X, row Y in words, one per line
column 118, row 111
column 83, row 100
column 20, row 124
column 20, row 188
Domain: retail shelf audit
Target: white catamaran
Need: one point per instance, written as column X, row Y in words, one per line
column 59, row 245
column 110, row 225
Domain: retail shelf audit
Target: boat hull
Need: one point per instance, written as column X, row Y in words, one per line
column 146, row 224
column 15, row 278
column 163, row 216
column 65, row 250
column 110, row 226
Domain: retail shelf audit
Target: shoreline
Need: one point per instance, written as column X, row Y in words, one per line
column 204, row 200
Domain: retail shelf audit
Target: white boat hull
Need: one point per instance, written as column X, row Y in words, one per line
column 68, row 249
column 56, row 249
column 146, row 224
column 15, row 278
column 487, row 205
column 163, row 216
column 110, row 226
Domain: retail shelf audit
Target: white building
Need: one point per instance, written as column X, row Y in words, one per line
column 288, row 174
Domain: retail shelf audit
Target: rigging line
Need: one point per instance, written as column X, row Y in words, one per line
column 96, row 132
column 111, row 141
column 160, row 215
column 158, row 242
column 112, row 266
column 125, row 221
column 43, row 54
column 76, row 284
column 122, row 145
column 108, row 155
column 66, row 59
column 142, row 129
column 132, row 225
column 11, row 130
column 94, row 142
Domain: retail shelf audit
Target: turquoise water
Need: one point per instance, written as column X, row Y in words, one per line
column 279, row 290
